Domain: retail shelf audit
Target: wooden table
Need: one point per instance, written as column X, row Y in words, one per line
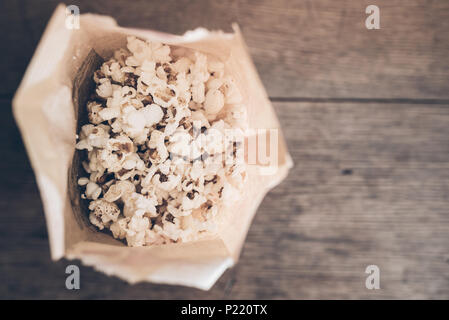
column 366, row 118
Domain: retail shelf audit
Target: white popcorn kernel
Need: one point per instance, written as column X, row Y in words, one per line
column 113, row 194
column 86, row 130
column 199, row 119
column 195, row 202
column 171, row 183
column 103, row 213
column 165, row 96
column 119, row 228
column 165, row 167
column 119, row 189
column 92, row 190
column 214, row 84
column 116, row 126
column 149, row 67
column 134, row 120
column 180, row 143
column 96, row 194
column 135, row 234
column 83, row 181
column 96, row 221
column 199, row 69
column 137, row 205
column 214, row 101
column 161, row 54
column 94, row 109
column 157, row 137
column 137, row 104
column 129, row 164
column 116, row 73
column 161, row 74
column 187, row 185
column 152, row 114
column 98, row 137
column 109, row 113
column 105, row 89
column 182, row 65
column 128, row 92
column 139, row 49
column 132, row 61
column 83, row 144
column 171, row 127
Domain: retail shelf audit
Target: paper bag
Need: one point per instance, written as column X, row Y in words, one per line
column 48, row 108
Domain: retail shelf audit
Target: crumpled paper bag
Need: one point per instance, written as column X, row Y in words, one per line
column 48, row 109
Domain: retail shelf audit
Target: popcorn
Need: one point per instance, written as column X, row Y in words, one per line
column 105, row 88
column 138, row 205
column 83, row 181
column 119, row 189
column 156, row 144
column 93, row 191
column 135, row 234
column 109, row 113
column 103, row 213
column 94, row 108
column 152, row 115
column 118, row 228
column 214, row 101
column 93, row 136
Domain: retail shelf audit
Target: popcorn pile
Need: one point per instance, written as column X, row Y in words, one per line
column 160, row 165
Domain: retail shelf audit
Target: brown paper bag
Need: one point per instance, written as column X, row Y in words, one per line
column 48, row 108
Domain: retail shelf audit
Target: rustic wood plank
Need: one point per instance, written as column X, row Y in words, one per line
column 370, row 186
column 317, row 48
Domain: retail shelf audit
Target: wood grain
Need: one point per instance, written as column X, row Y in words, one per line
column 370, row 186
column 365, row 115
column 301, row 48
